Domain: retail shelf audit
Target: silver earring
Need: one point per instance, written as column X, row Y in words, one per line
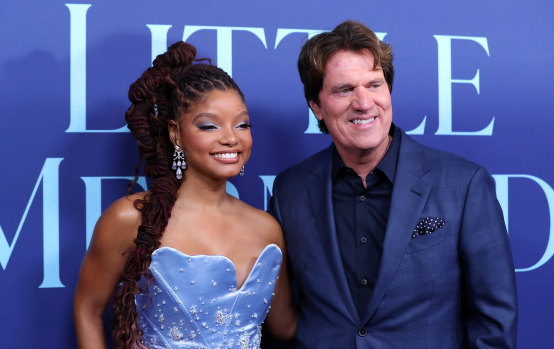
column 178, row 162
column 241, row 173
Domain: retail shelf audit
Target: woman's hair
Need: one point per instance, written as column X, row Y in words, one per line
column 164, row 92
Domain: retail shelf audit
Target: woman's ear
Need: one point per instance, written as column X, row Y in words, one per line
column 173, row 130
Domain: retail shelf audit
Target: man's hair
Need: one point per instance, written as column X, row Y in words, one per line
column 350, row 36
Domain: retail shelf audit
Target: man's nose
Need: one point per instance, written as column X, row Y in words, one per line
column 363, row 100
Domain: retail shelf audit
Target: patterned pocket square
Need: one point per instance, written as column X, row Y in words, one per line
column 427, row 225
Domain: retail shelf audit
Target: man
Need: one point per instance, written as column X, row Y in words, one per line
column 392, row 244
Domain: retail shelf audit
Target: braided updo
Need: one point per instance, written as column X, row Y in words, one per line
column 163, row 93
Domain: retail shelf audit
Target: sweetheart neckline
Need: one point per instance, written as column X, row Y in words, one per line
column 198, row 256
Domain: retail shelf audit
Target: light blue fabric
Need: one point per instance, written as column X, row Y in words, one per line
column 196, row 304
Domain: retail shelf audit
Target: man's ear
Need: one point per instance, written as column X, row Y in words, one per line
column 316, row 110
column 173, row 130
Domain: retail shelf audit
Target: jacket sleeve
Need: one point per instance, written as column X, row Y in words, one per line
column 273, row 207
column 490, row 295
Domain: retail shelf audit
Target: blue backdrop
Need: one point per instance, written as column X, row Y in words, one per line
column 472, row 77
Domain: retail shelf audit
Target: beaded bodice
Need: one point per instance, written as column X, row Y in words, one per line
column 196, row 304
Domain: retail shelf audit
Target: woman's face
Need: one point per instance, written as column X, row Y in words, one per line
column 215, row 135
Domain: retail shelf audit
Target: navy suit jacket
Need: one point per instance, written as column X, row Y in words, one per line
column 454, row 288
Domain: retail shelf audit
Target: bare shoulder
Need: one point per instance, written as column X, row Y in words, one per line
column 262, row 223
column 118, row 225
column 124, row 209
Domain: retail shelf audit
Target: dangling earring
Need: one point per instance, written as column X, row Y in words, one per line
column 241, row 173
column 178, row 162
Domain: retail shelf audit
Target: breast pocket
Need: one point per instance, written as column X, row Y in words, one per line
column 427, row 241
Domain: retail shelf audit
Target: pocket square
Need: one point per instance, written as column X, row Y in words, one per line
column 427, row 225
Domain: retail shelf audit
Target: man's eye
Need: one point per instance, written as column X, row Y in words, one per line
column 345, row 90
column 375, row 85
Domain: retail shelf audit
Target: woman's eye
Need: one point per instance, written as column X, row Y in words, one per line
column 243, row 125
column 208, row 127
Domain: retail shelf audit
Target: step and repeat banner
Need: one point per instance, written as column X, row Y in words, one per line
column 475, row 78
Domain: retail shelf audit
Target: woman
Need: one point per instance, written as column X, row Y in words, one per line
column 198, row 267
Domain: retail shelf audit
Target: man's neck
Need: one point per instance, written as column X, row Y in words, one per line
column 363, row 162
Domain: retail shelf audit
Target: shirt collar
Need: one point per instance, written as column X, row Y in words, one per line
column 387, row 165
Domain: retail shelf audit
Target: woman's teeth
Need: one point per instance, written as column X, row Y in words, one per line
column 225, row 155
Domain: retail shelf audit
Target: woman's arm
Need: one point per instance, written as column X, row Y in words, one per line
column 282, row 317
column 102, row 268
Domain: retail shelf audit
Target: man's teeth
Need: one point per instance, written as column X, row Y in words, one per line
column 225, row 155
column 362, row 122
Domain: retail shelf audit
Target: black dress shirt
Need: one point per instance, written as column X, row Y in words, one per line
column 361, row 216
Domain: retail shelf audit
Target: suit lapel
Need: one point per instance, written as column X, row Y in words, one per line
column 409, row 196
column 321, row 203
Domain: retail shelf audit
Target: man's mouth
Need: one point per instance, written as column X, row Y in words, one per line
column 362, row 121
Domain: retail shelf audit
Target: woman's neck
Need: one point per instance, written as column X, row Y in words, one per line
column 201, row 191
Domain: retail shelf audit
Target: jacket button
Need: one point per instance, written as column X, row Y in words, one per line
column 362, row 331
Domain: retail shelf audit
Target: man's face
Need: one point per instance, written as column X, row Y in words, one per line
column 355, row 104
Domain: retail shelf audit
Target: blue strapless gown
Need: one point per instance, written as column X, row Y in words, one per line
column 196, row 304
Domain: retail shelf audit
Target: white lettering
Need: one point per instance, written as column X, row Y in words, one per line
column 77, row 71
column 502, row 195
column 225, row 42
column 159, row 38
column 420, row 129
column 49, row 178
column 232, row 190
column 268, row 188
column 446, row 81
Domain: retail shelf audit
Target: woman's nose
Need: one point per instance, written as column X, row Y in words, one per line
column 229, row 136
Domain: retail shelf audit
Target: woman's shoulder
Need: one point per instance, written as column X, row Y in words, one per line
column 262, row 222
column 124, row 209
column 119, row 223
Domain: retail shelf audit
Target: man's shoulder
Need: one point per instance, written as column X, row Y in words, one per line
column 444, row 158
column 301, row 172
column 437, row 158
column 312, row 164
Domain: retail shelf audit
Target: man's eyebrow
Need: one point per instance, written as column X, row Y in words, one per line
column 348, row 85
column 376, row 80
column 341, row 86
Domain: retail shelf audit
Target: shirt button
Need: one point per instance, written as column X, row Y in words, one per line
column 364, row 282
column 363, row 240
column 362, row 198
column 362, row 331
